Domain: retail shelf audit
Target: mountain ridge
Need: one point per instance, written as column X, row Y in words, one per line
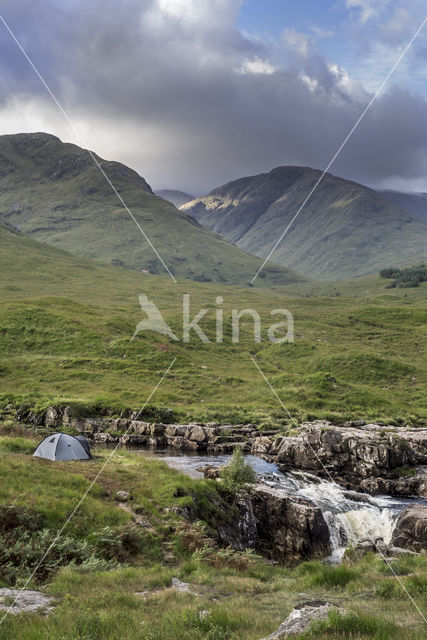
column 344, row 230
column 54, row 192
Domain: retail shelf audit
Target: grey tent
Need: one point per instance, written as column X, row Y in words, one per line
column 62, row 446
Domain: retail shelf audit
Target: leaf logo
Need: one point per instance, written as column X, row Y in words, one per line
column 154, row 321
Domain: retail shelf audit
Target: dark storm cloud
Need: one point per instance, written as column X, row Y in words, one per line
column 182, row 77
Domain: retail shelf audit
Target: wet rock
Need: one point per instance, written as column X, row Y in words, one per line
column 17, row 601
column 411, row 529
column 300, row 618
column 261, row 445
column 241, row 532
column 210, row 471
column 133, row 439
column 289, row 529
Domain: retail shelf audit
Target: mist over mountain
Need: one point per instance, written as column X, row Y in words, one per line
column 178, row 198
column 344, row 230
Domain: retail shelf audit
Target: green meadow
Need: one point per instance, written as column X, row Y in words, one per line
column 65, row 337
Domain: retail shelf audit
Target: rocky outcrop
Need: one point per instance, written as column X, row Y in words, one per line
column 280, row 526
column 411, row 529
column 372, row 458
column 289, row 528
column 356, row 456
column 301, row 617
column 130, row 431
column 240, row 533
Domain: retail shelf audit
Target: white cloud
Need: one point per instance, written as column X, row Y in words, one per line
column 299, row 43
column 177, row 91
column 318, row 32
column 257, row 65
column 366, row 9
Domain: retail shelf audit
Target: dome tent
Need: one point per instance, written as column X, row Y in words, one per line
column 62, row 446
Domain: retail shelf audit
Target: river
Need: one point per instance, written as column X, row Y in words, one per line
column 350, row 516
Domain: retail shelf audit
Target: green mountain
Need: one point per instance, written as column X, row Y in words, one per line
column 413, row 202
column 178, row 198
column 55, row 192
column 344, row 230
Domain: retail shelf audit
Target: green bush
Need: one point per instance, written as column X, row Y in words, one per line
column 237, row 472
column 27, row 545
column 405, row 278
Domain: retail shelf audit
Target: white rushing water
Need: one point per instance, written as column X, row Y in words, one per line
column 350, row 516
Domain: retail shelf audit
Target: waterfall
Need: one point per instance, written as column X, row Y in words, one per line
column 349, row 515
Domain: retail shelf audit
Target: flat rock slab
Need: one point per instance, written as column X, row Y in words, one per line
column 17, row 601
column 300, row 619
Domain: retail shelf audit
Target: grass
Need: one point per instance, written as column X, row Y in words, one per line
column 245, row 601
column 65, row 338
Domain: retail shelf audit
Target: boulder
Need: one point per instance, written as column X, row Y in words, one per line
column 122, row 496
column 261, row 445
column 411, row 529
column 210, row 471
column 301, row 617
column 19, row 601
column 289, row 528
column 197, row 434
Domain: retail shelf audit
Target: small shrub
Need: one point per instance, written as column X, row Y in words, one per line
column 237, row 472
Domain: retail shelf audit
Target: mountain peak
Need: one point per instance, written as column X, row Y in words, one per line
column 344, row 230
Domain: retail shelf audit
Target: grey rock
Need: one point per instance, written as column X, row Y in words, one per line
column 289, row 528
column 18, row 601
column 411, row 529
column 182, row 587
column 300, row 619
column 122, row 496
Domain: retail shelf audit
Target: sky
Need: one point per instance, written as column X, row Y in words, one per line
column 195, row 93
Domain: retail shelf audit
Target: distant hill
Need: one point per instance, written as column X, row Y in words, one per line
column 345, row 229
column 413, row 202
column 178, row 198
column 55, row 193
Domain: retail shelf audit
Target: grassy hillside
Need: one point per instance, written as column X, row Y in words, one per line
column 413, row 202
column 344, row 230
column 55, row 193
column 66, row 326
column 119, row 585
